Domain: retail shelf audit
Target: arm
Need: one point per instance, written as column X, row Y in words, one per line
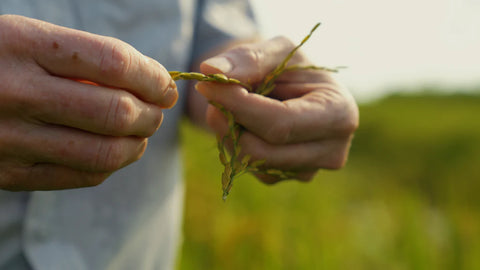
column 58, row 132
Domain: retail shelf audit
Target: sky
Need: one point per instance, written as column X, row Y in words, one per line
column 386, row 44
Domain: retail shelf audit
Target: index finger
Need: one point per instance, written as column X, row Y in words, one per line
column 250, row 63
column 321, row 113
column 105, row 60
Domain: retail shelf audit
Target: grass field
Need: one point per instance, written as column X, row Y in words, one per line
column 409, row 198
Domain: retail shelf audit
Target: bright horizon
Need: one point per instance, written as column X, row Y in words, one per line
column 385, row 44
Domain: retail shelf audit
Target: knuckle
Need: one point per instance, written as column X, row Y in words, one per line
column 253, row 57
column 121, row 114
column 21, row 96
column 117, row 152
column 279, row 132
column 287, row 45
column 257, row 150
column 286, row 41
column 348, row 120
column 110, row 155
column 115, row 58
column 350, row 125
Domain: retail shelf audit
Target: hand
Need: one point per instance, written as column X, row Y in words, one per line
column 56, row 131
column 305, row 124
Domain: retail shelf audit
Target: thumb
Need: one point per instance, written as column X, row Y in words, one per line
column 250, row 63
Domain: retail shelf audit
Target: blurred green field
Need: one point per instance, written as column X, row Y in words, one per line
column 409, row 198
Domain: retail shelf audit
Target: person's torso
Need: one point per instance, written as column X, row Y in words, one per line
column 138, row 209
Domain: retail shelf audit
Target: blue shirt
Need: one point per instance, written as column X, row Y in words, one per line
column 133, row 219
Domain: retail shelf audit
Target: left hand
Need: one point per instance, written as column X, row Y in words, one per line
column 305, row 124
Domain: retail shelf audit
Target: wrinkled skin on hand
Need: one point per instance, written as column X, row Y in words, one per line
column 56, row 131
column 305, row 124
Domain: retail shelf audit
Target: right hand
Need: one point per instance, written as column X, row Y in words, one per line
column 58, row 132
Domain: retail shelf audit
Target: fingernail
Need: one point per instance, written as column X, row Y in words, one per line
column 221, row 63
column 171, row 95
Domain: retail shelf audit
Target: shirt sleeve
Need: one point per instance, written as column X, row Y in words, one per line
column 220, row 21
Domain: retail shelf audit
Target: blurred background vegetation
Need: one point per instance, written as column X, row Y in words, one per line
column 409, row 198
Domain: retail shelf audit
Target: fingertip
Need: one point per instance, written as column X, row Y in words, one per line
column 202, row 87
column 207, row 89
column 170, row 95
column 165, row 92
column 217, row 64
column 221, row 93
